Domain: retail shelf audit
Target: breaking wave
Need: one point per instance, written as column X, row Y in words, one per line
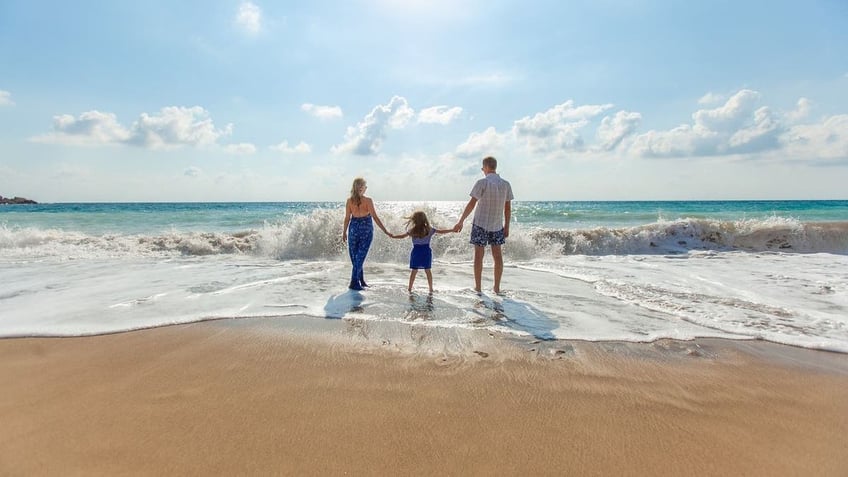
column 317, row 236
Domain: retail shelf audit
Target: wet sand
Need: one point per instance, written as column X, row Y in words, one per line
column 255, row 397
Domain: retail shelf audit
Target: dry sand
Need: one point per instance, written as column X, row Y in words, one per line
column 214, row 398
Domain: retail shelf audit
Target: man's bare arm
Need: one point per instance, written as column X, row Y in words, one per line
column 468, row 208
column 507, row 217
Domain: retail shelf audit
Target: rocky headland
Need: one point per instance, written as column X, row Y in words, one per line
column 16, row 200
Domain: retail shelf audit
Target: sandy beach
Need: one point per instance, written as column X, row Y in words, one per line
column 253, row 397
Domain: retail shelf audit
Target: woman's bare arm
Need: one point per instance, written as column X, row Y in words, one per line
column 348, row 212
column 373, row 213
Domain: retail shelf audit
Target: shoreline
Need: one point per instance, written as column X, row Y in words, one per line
column 335, row 396
column 388, row 336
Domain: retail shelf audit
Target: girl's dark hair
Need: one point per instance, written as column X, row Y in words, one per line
column 418, row 225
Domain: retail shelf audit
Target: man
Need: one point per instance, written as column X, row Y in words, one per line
column 492, row 197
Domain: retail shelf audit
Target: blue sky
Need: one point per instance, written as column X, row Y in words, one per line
column 287, row 101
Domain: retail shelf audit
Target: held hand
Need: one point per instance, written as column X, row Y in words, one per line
column 458, row 227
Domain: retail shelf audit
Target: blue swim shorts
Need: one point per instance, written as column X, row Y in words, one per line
column 482, row 237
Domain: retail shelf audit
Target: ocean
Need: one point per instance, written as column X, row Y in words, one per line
column 597, row 271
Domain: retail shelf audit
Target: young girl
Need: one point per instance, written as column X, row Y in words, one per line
column 418, row 227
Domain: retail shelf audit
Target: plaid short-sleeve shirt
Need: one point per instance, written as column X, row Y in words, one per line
column 491, row 193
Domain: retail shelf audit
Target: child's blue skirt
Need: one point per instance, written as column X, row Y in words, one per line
column 421, row 257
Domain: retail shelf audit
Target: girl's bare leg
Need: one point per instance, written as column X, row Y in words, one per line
column 412, row 274
column 429, row 279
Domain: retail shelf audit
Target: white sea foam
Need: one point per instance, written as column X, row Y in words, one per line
column 774, row 279
column 798, row 299
column 318, row 236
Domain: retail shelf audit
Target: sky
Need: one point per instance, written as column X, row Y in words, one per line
column 220, row 100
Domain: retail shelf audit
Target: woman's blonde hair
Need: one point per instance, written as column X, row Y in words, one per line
column 355, row 196
column 417, row 224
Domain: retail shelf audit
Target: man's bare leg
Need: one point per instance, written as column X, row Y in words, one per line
column 497, row 256
column 478, row 266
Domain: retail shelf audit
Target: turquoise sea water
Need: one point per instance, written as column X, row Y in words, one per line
column 617, row 214
column 98, row 218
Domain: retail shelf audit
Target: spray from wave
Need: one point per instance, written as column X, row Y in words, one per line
column 317, row 236
column 683, row 235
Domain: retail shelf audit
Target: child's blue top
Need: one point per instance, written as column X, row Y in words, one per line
column 424, row 240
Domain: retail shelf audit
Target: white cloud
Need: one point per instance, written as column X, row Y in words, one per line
column 554, row 131
column 240, row 149
column 729, row 116
column 557, row 129
column 439, row 115
column 91, row 128
column 400, row 112
column 300, row 148
column 711, row 98
column 481, row 143
column 176, row 126
column 737, row 126
column 683, row 140
column 614, row 129
column 322, row 112
column 173, row 126
column 192, row 172
column 801, row 111
column 825, row 140
column 249, row 18
column 6, row 98
column 762, row 135
column 368, row 135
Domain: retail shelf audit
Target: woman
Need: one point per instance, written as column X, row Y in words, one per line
column 357, row 223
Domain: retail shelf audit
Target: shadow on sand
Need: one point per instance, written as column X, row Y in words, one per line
column 517, row 315
column 343, row 303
